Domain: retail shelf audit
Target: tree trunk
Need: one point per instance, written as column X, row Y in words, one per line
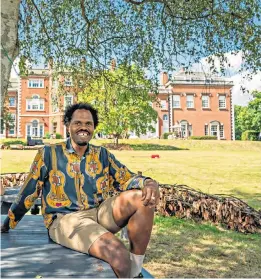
column 116, row 141
column 9, row 41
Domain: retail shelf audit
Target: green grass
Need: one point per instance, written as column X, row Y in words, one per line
column 180, row 248
column 231, row 168
column 183, row 248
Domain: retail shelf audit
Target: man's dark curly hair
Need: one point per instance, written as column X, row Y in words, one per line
column 71, row 109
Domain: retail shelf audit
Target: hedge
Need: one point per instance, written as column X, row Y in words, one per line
column 203, row 137
column 251, row 135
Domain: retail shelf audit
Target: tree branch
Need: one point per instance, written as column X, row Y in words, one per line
column 45, row 30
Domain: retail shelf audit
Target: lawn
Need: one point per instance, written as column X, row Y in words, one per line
column 182, row 248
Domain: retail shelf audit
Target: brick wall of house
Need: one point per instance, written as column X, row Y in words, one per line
column 50, row 120
column 199, row 121
column 198, row 116
column 28, row 115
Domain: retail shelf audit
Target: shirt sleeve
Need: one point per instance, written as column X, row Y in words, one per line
column 29, row 192
column 121, row 177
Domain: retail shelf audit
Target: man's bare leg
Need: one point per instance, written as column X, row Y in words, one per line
column 110, row 249
column 129, row 209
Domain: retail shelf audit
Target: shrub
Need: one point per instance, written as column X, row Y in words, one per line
column 165, row 135
column 250, row 135
column 9, row 142
column 47, row 135
column 203, row 137
column 58, row 136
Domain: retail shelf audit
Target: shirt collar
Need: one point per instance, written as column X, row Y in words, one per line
column 70, row 149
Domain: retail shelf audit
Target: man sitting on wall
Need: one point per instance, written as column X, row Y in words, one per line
column 76, row 179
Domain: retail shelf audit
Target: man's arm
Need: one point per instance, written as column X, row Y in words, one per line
column 124, row 180
column 29, row 192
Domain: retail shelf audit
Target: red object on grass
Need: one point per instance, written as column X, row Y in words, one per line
column 155, row 156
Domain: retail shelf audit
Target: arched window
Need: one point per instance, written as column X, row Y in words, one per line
column 34, row 123
column 165, row 117
column 186, row 129
column 35, row 129
column 217, row 129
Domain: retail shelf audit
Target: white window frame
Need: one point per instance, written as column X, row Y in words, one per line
column 33, row 82
column 30, row 126
column 68, row 82
column 222, row 100
column 205, row 98
column 176, row 103
column 35, row 101
column 12, row 97
column 68, row 96
column 163, row 104
column 214, row 131
column 165, row 117
column 188, row 96
column 13, row 115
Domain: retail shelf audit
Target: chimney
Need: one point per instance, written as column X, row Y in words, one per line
column 164, row 78
column 113, row 64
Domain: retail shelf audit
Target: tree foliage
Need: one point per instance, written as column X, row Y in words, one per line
column 248, row 118
column 122, row 99
column 151, row 33
column 7, row 122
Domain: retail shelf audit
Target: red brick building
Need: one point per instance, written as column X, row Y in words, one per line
column 192, row 104
column 11, row 106
column 189, row 104
column 36, row 105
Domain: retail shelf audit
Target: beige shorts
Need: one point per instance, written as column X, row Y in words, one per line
column 79, row 230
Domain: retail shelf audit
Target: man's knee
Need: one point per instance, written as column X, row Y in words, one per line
column 132, row 197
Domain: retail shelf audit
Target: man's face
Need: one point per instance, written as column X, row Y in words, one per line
column 81, row 127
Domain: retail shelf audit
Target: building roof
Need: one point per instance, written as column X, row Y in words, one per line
column 197, row 78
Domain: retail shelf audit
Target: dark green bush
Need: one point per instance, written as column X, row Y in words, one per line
column 165, row 135
column 47, row 135
column 250, row 135
column 9, row 142
column 203, row 137
column 58, row 136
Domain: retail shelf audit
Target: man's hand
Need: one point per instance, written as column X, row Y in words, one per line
column 4, row 229
column 150, row 193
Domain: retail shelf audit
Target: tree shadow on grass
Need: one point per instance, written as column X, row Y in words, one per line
column 155, row 147
column 184, row 248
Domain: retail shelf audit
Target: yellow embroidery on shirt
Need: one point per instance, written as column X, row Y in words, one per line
column 47, row 217
column 103, row 183
column 29, row 200
column 57, row 198
column 93, row 164
column 83, row 195
column 12, row 222
column 36, row 165
column 122, row 175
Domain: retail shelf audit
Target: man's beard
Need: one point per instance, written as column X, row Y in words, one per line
column 82, row 143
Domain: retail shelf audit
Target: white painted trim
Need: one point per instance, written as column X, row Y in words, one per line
column 171, row 113
column 35, row 79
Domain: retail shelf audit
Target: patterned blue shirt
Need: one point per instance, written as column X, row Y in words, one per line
column 68, row 182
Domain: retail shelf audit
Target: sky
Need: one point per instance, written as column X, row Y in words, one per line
column 232, row 73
